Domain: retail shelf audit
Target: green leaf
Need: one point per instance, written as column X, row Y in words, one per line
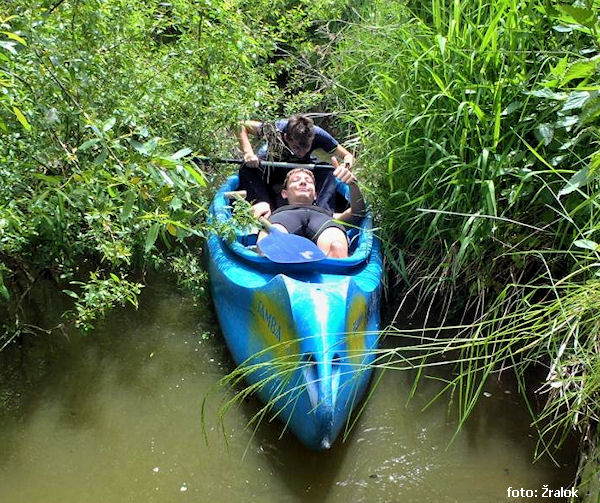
column 176, row 204
column 561, row 66
column 22, row 119
column 144, row 148
column 477, row 109
column 567, row 122
column 512, row 107
column 108, row 125
column 51, row 180
column 441, row 43
column 586, row 244
column 550, row 10
column 87, row 144
column 197, row 176
column 576, row 100
column 9, row 46
column 101, row 157
column 580, row 70
column 151, row 237
column 438, row 81
column 544, row 133
column 172, row 229
column 16, row 37
column 181, row 153
column 547, row 93
column 166, row 162
column 585, row 17
column 71, row 293
column 490, row 196
column 128, row 205
column 3, row 290
column 577, row 180
column 591, row 109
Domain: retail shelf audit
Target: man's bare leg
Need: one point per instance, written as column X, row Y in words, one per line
column 333, row 242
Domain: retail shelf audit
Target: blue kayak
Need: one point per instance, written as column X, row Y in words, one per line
column 306, row 334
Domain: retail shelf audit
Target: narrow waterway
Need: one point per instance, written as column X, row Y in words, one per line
column 116, row 416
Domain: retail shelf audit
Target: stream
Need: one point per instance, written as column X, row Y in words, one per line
column 130, row 413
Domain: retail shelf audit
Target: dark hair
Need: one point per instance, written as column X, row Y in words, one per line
column 301, row 130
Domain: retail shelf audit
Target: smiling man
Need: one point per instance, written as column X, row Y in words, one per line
column 288, row 140
column 303, row 217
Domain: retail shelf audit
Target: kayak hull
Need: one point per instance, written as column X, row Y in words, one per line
column 305, row 334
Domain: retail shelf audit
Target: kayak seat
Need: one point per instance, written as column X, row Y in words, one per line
column 248, row 240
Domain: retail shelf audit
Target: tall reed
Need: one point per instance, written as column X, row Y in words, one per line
column 479, row 124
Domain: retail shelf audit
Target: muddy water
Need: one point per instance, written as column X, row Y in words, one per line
column 116, row 416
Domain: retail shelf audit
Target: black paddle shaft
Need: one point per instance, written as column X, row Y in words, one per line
column 266, row 164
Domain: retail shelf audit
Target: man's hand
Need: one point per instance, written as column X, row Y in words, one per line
column 342, row 171
column 262, row 209
column 251, row 160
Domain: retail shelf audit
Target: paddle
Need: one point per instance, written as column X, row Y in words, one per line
column 282, row 247
column 266, row 164
column 285, row 248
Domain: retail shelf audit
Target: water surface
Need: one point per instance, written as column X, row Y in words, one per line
column 116, row 416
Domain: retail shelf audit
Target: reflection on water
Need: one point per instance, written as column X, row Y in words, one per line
column 116, row 416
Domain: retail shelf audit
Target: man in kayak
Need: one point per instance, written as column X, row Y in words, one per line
column 288, row 140
column 303, row 217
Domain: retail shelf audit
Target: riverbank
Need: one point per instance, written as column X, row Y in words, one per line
column 478, row 123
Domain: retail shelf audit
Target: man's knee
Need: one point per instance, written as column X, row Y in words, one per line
column 338, row 249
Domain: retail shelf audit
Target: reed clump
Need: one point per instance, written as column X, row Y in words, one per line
column 479, row 126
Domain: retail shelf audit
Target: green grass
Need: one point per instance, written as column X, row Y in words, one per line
column 479, row 131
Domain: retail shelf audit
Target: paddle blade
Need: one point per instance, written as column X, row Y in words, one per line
column 286, row 248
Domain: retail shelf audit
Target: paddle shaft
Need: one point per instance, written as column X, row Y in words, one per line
column 267, row 164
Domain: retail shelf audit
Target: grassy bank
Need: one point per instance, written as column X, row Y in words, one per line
column 479, row 121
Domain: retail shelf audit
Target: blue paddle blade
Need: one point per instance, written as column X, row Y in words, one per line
column 286, row 248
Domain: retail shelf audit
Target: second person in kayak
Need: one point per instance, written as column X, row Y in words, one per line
column 288, row 140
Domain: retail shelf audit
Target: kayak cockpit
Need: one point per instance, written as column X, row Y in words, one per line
column 244, row 246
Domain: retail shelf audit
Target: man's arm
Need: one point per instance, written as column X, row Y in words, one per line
column 249, row 128
column 260, row 208
column 358, row 207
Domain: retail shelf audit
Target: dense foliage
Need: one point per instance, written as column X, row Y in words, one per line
column 481, row 121
column 103, row 105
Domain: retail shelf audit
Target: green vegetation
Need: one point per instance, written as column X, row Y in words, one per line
column 481, row 121
column 103, row 105
column 478, row 124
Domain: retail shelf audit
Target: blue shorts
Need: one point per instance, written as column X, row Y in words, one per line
column 306, row 221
